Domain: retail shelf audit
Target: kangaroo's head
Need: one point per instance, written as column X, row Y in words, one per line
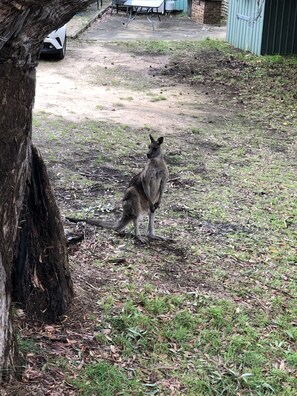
column 155, row 148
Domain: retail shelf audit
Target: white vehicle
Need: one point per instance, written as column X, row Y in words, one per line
column 55, row 43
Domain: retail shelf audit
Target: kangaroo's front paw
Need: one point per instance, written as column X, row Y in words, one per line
column 152, row 208
column 157, row 205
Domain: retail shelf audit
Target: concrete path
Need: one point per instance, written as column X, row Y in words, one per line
column 114, row 28
column 100, row 25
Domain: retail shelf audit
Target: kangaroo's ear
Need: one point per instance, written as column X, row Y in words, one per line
column 152, row 139
column 160, row 140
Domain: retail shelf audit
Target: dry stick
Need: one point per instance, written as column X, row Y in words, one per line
column 93, row 287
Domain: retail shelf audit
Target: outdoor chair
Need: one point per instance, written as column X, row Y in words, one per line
column 117, row 4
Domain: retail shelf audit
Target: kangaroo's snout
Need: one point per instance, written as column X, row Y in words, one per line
column 154, row 150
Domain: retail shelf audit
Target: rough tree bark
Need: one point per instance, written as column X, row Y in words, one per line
column 33, row 256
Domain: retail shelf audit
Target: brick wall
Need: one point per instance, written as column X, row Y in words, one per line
column 207, row 11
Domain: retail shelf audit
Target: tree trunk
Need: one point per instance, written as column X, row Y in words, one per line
column 41, row 278
column 15, row 139
column 33, row 255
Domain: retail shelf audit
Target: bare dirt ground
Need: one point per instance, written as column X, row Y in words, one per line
column 88, row 85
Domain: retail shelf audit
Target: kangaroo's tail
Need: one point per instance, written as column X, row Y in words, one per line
column 114, row 225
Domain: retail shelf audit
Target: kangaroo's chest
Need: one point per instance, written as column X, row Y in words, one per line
column 157, row 173
column 156, row 176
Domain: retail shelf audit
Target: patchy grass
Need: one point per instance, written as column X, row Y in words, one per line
column 158, row 98
column 203, row 345
column 115, row 76
column 213, row 313
column 261, row 86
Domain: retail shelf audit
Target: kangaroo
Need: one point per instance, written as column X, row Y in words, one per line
column 142, row 196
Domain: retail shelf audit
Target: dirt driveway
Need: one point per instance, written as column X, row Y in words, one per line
column 100, row 81
column 88, row 85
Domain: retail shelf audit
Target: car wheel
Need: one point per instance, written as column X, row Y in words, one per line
column 62, row 52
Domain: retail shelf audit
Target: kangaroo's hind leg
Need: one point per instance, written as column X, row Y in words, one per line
column 151, row 228
column 132, row 209
column 137, row 232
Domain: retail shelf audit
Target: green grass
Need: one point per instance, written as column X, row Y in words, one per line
column 217, row 346
column 104, row 379
column 28, row 345
column 160, row 47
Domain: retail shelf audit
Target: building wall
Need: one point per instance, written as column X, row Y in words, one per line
column 280, row 27
column 207, row 11
column 245, row 24
column 224, row 10
column 181, row 5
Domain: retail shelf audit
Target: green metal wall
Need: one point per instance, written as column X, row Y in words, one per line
column 181, row 5
column 263, row 26
column 245, row 25
column 280, row 27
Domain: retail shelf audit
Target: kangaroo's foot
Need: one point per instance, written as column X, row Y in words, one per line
column 156, row 237
column 160, row 238
column 141, row 239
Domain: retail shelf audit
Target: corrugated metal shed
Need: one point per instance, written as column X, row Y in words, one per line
column 244, row 28
column 181, row 5
column 263, row 26
column 280, row 27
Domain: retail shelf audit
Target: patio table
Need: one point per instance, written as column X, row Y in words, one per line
column 143, row 6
